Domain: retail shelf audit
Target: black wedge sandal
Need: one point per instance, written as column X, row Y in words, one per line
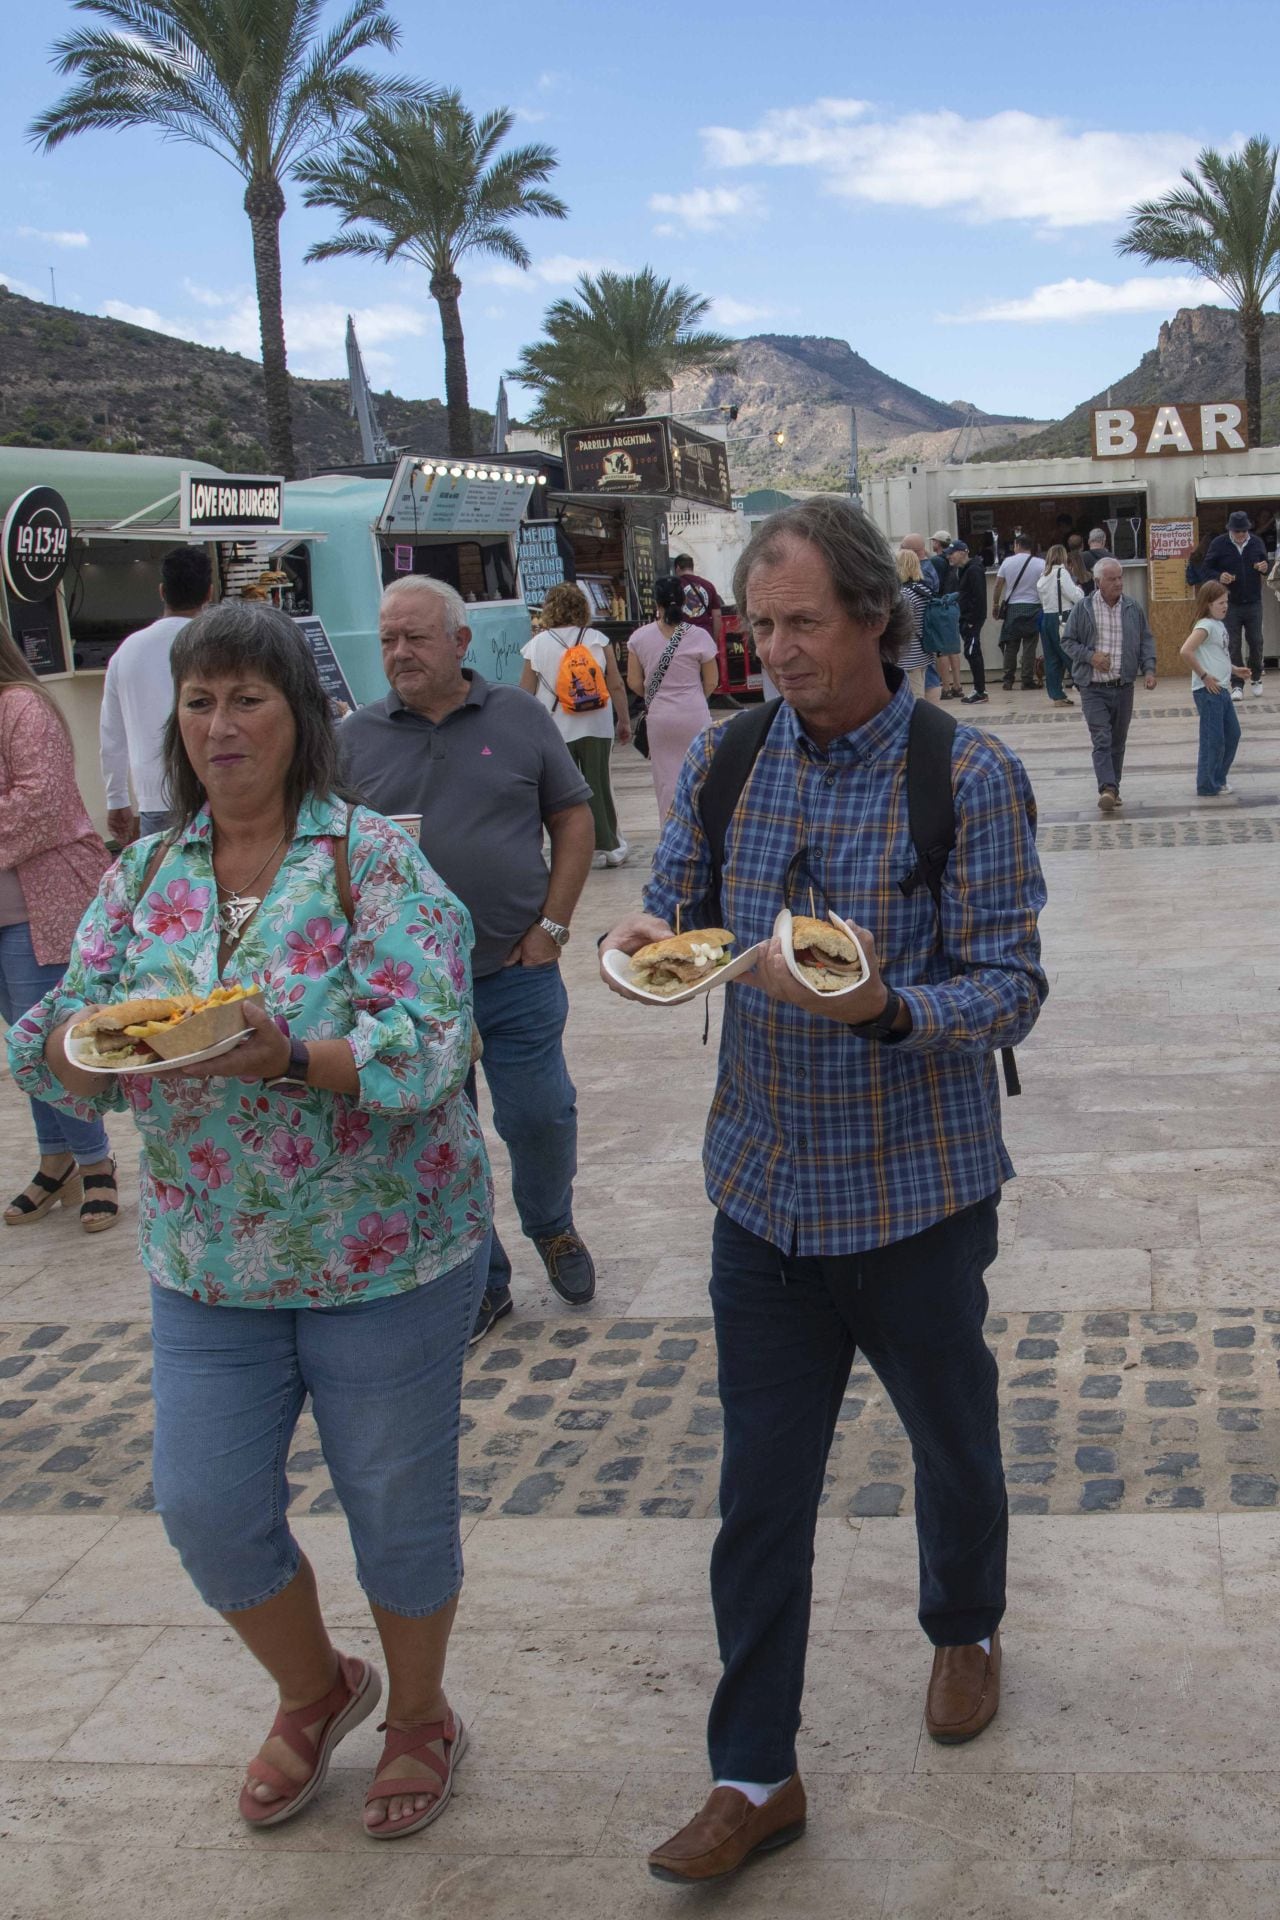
column 96, row 1215
column 22, row 1210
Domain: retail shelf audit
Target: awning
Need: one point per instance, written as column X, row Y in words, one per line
column 1054, row 491
column 1239, row 486
column 270, row 540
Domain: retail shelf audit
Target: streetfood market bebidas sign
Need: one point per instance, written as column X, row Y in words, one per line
column 37, row 543
column 1216, row 426
column 247, row 502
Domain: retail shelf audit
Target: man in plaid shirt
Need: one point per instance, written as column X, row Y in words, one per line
column 853, row 1152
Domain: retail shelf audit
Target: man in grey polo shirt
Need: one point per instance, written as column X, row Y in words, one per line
column 487, row 769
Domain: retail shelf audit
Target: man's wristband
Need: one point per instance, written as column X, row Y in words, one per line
column 881, row 1028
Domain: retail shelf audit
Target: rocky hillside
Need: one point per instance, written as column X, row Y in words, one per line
column 72, row 380
column 1198, row 355
column 804, row 387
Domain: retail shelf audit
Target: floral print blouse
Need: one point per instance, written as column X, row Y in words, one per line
column 257, row 1197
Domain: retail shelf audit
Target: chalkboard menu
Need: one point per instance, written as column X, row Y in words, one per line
column 644, row 567
column 332, row 678
column 545, row 559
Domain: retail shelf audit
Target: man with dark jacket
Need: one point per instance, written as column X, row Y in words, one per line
column 1239, row 559
column 969, row 580
column 1108, row 642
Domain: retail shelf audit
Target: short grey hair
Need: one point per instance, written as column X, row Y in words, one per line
column 1105, row 566
column 455, row 607
column 1097, row 538
column 863, row 571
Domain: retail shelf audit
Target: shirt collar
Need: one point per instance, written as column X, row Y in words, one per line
column 477, row 694
column 317, row 819
column 867, row 742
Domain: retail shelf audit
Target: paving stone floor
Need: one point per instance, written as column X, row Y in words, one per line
column 1135, row 1310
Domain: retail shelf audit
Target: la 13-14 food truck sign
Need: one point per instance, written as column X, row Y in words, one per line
column 245, row 502
column 36, row 543
column 1215, row 426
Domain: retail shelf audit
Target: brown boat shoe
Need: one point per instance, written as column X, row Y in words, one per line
column 964, row 1692
column 728, row 1831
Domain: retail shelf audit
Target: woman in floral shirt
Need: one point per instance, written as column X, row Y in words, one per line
column 315, row 1205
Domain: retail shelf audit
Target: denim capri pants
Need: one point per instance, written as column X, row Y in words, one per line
column 385, row 1380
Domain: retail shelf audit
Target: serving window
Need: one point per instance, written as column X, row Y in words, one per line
column 990, row 525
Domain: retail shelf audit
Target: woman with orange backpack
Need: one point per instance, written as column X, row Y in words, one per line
column 571, row 669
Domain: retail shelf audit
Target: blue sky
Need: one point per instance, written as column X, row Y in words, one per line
column 944, row 196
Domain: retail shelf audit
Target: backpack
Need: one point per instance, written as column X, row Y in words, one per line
column 580, row 685
column 931, row 814
column 940, row 629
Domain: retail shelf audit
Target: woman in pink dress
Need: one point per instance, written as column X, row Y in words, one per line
column 673, row 667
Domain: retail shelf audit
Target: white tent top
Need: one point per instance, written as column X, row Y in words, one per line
column 1238, row 486
column 1074, row 489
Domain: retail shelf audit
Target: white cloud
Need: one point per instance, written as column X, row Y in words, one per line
column 315, row 331
column 530, row 114
column 727, row 312
column 60, row 238
column 1067, row 300
column 559, row 270
column 213, row 296
column 703, row 209
column 24, row 287
column 1010, row 166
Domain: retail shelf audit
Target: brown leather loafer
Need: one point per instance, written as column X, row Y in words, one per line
column 728, row 1831
column 964, row 1692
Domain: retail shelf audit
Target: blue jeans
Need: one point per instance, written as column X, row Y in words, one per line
column 1056, row 662
column 149, row 823
column 1244, row 628
column 23, row 981
column 385, row 1379
column 1219, row 738
column 787, row 1330
column 520, row 1016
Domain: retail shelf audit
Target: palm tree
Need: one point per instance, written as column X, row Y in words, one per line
column 1224, row 221
column 423, row 182
column 254, row 81
column 622, row 337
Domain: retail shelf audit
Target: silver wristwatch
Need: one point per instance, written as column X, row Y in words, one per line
column 558, row 933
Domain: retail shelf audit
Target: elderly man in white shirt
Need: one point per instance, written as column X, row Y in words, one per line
column 1109, row 642
column 137, row 698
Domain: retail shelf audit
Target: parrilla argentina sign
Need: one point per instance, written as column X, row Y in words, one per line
column 237, row 500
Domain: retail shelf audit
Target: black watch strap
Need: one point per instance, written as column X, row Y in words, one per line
column 881, row 1028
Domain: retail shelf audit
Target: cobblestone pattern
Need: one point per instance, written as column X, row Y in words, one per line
column 1102, row 1412
column 1108, row 836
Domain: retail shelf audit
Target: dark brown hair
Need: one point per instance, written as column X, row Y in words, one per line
column 16, row 671
column 863, row 570
column 239, row 637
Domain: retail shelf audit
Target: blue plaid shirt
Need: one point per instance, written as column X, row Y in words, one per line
column 818, row 1140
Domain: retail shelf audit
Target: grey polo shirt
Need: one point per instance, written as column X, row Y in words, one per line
column 484, row 781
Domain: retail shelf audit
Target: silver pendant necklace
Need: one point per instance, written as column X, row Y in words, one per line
column 236, row 906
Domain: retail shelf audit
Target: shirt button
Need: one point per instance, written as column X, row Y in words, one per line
column 830, row 777
column 802, row 1140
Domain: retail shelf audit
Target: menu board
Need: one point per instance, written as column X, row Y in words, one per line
column 699, row 467
column 545, row 558
column 332, row 678
column 472, row 506
column 644, row 567
column 1169, row 545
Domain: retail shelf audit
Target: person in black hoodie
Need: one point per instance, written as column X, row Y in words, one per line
column 970, row 580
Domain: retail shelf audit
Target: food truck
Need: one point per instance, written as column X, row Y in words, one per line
column 83, row 538
column 1157, row 481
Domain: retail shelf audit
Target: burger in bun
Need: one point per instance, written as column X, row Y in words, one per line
column 667, row 967
column 103, row 1040
column 824, row 958
column 139, row 1033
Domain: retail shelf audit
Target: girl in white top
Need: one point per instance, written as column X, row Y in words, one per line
column 1058, row 594
column 588, row 736
column 1206, row 653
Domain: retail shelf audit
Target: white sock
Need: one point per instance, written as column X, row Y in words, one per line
column 985, row 1644
column 755, row 1792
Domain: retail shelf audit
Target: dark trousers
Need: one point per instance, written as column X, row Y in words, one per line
column 971, row 638
column 1020, row 634
column 1244, row 624
column 786, row 1331
column 1107, row 712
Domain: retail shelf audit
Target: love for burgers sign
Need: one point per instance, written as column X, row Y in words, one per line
column 234, row 501
column 37, row 543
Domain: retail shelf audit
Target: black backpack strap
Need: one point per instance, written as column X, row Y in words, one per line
column 931, row 820
column 732, row 759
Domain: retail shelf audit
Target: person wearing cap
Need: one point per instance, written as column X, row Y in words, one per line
column 937, row 562
column 1239, row 560
column 969, row 580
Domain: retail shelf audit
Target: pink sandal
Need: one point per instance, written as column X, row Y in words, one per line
column 416, row 1742
column 351, row 1699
